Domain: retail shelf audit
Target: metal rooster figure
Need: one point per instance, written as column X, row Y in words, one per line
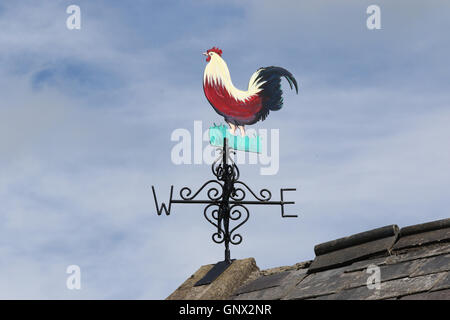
column 241, row 108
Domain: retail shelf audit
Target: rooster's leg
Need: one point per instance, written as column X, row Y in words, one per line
column 232, row 128
column 241, row 128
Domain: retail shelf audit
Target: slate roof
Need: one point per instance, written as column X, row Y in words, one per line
column 413, row 262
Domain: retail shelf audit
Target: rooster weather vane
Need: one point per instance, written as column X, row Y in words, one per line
column 226, row 204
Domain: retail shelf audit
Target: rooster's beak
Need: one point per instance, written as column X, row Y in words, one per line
column 204, row 53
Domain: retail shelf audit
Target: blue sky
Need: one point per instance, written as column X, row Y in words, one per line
column 86, row 118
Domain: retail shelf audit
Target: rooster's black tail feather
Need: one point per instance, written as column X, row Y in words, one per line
column 271, row 89
column 271, row 93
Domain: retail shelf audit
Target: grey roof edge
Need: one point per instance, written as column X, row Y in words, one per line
column 356, row 239
column 424, row 227
column 346, row 256
column 378, row 243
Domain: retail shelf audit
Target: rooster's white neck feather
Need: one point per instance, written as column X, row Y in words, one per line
column 216, row 72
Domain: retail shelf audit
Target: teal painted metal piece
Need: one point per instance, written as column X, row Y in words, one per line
column 249, row 144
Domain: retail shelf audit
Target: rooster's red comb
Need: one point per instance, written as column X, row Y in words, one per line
column 216, row 50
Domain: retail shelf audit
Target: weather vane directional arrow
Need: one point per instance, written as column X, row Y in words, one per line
column 225, row 204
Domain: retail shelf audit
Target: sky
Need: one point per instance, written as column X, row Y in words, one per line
column 86, row 118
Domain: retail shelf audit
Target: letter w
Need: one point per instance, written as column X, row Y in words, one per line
column 163, row 205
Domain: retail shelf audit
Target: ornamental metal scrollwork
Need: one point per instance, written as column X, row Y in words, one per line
column 185, row 192
column 226, row 204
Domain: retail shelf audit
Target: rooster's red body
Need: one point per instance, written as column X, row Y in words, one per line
column 240, row 108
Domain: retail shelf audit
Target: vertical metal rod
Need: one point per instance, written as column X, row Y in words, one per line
column 227, row 186
column 225, row 150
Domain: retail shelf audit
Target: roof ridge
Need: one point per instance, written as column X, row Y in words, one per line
column 424, row 227
column 356, row 239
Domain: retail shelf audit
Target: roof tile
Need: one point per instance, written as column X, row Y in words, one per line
column 418, row 239
column 399, row 270
column 362, row 265
column 263, row 282
column 352, row 254
column 444, row 283
column 277, row 292
column 425, row 227
column 326, row 282
column 418, row 253
column 433, row 265
column 435, row 295
column 356, row 239
column 389, row 289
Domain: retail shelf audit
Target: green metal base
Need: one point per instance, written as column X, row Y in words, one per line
column 248, row 144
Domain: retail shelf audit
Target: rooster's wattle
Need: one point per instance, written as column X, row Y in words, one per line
column 240, row 108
